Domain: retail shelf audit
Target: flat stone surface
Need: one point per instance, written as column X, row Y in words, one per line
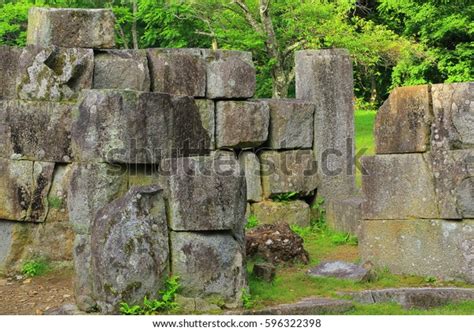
column 241, row 124
column 399, row 186
column 178, row 71
column 403, row 123
column 36, row 131
column 250, row 164
column 307, row 306
column 53, row 73
column 291, row 123
column 430, row 248
column 121, row 69
column 9, row 61
column 130, row 234
column 409, row 298
column 292, row 212
column 288, row 171
column 209, row 265
column 325, row 77
column 216, row 188
column 339, row 269
column 66, row 27
column 207, row 111
column 345, row 215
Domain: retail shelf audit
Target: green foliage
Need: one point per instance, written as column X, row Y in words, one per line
column 318, row 206
column 247, row 301
column 252, row 222
column 55, row 202
column 301, row 231
column 34, row 268
column 285, row 197
column 165, row 304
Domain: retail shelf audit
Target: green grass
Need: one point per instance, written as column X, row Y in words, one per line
column 364, row 137
column 461, row 308
column 34, row 268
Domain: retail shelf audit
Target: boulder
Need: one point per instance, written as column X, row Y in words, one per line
column 291, row 124
column 66, row 27
column 324, row 77
column 339, row 269
column 230, row 74
column 24, row 187
column 9, row 62
column 241, row 124
column 54, row 74
column 209, row 265
column 121, row 69
column 36, row 131
column 251, row 167
column 345, row 215
column 398, row 186
column 288, row 171
column 178, row 71
column 216, row 188
column 129, row 251
column 292, row 212
column 276, row 243
column 264, row 271
column 430, row 248
column 403, row 123
column 207, row 112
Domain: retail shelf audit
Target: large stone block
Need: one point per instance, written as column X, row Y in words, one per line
column 133, row 127
column 399, row 186
column 66, row 27
column 24, row 186
column 288, row 171
column 250, row 165
column 178, row 71
column 9, row 60
column 121, row 69
column 436, row 248
column 215, row 186
column 207, row 111
column 54, row 74
column 52, row 242
column 403, row 123
column 345, row 215
column 130, row 253
column 241, row 124
column 230, row 74
column 453, row 110
column 292, row 212
column 14, row 238
column 37, row 131
column 291, row 124
column 209, row 265
column 325, row 78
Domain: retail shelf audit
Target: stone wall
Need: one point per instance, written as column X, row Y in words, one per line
column 418, row 217
column 138, row 164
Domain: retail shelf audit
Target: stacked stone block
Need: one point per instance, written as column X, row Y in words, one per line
column 418, row 215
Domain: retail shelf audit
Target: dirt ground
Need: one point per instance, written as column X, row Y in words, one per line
column 33, row 296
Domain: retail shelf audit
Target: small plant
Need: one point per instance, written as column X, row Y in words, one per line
column 285, row 197
column 301, row 231
column 34, row 268
column 247, row 301
column 341, row 238
column 55, row 202
column 165, row 303
column 252, row 222
column 431, row 279
column 319, row 223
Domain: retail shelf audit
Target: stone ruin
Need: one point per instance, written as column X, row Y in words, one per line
column 139, row 164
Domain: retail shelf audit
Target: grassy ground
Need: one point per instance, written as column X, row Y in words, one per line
column 364, row 138
column 292, row 283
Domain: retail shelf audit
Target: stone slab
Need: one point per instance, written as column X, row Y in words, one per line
column 345, row 215
column 295, row 212
column 307, row 306
column 207, row 111
column 339, row 269
column 250, row 165
column 9, row 61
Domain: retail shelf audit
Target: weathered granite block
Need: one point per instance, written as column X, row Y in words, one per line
column 230, row 74
column 130, row 253
column 453, row 109
column 215, row 186
column 291, row 124
column 9, row 60
column 24, row 186
column 241, row 124
column 209, row 265
column 291, row 212
column 436, row 248
column 207, row 112
column 121, row 69
column 132, row 127
column 325, row 77
column 14, row 238
column 403, row 123
column 53, row 73
column 399, row 186
column 178, row 71
column 250, row 165
column 288, row 171
column 52, row 242
column 66, row 27
column 37, row 131
column 345, row 215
